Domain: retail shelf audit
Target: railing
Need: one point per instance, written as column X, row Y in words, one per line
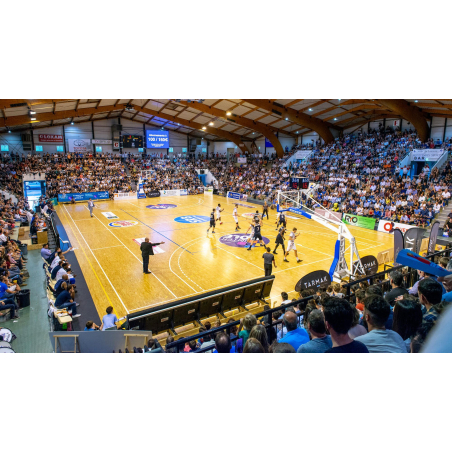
column 409, row 278
column 228, row 326
column 441, row 161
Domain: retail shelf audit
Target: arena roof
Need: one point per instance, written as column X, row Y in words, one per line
column 223, row 119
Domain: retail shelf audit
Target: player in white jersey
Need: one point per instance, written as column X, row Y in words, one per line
column 236, row 218
column 291, row 245
column 218, row 213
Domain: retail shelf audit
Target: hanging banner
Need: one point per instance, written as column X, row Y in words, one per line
column 412, row 239
column 46, row 138
column 433, row 237
column 426, row 155
column 389, row 226
column 356, row 220
column 79, row 145
column 398, row 242
column 314, row 280
column 302, row 155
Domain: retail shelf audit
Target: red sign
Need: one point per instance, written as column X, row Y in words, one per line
column 44, row 138
column 116, row 145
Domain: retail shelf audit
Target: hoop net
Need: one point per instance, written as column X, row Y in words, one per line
column 287, row 199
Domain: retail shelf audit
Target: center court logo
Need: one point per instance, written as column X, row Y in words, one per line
column 122, row 224
column 192, row 219
column 238, row 240
column 161, row 206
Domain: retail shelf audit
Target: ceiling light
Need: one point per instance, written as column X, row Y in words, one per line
column 228, row 113
column 287, row 119
column 416, row 101
column 72, row 123
column 9, row 130
column 335, row 119
column 339, row 100
column 253, row 133
column 204, row 128
column 310, row 109
column 32, row 112
column 296, row 131
column 210, row 123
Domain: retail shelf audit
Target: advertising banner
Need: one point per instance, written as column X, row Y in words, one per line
column 79, row 145
column 102, row 141
column 170, row 192
column 153, row 194
column 183, row 192
column 302, row 155
column 94, row 195
column 369, row 263
column 109, row 215
column 233, row 195
column 313, row 280
column 398, row 242
column 433, row 237
column 413, row 239
column 328, row 214
column 157, row 139
column 389, row 226
column 426, row 155
column 361, row 222
column 241, row 159
column 46, row 138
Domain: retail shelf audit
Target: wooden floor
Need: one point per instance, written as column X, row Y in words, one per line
column 192, row 261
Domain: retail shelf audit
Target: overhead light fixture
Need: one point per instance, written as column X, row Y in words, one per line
column 228, row 113
column 339, row 100
column 335, row 119
column 310, row 109
column 253, row 133
column 204, row 128
column 9, row 130
column 72, row 123
column 416, row 101
column 287, row 119
column 296, row 131
column 210, row 123
column 32, row 112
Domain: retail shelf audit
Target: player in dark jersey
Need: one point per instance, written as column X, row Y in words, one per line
column 265, row 210
column 257, row 235
column 212, row 221
column 280, row 241
column 281, row 220
column 257, row 217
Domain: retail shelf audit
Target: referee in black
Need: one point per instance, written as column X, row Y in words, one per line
column 269, row 259
column 147, row 249
column 280, row 241
column 265, row 210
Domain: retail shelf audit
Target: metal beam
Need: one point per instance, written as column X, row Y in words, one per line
column 248, row 123
column 6, row 103
column 41, row 117
column 410, row 113
column 319, row 126
column 237, row 139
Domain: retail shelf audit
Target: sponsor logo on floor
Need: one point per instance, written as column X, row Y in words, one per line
column 122, row 224
column 192, row 219
column 239, row 240
column 161, row 206
column 157, row 249
column 109, row 215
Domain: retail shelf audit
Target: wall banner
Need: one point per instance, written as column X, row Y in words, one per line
column 389, row 226
column 361, row 222
column 79, row 145
column 46, row 138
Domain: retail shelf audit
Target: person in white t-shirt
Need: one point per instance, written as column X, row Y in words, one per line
column 291, row 245
column 236, row 218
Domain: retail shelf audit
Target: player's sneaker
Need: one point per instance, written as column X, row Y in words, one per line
column 274, row 252
column 299, row 260
column 221, row 222
column 213, row 232
column 285, row 260
column 207, row 231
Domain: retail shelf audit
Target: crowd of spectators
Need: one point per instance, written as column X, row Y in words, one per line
column 376, row 318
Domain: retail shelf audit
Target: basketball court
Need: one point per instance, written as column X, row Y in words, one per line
column 190, row 261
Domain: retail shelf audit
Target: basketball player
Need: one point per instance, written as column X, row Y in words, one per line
column 236, row 218
column 250, row 236
column 219, row 210
column 291, row 246
column 280, row 241
column 257, row 217
column 265, row 210
column 257, row 234
column 281, row 220
column 212, row 222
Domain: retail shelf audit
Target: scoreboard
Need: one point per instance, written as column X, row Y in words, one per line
column 299, row 183
column 132, row 141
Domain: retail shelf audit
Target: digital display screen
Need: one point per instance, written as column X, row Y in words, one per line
column 157, row 139
column 132, row 141
column 299, row 183
column 60, row 149
column 4, row 148
column 38, row 148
